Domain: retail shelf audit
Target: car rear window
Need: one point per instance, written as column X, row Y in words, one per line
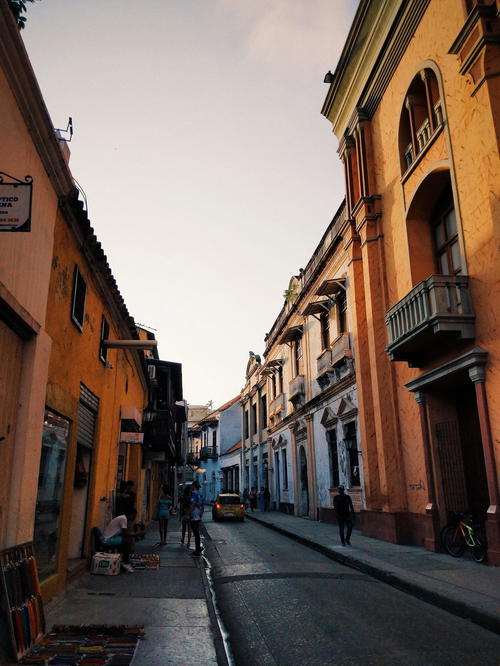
column 229, row 499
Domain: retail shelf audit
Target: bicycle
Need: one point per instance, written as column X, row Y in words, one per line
column 459, row 534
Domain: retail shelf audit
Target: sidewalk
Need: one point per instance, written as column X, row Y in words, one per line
column 172, row 603
column 460, row 586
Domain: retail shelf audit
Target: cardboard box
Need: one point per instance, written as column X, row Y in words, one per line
column 106, row 564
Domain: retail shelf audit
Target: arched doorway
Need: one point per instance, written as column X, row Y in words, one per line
column 303, row 484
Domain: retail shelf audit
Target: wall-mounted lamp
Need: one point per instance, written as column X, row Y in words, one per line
column 328, row 77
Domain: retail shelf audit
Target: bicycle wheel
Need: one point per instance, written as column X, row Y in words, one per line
column 453, row 540
column 479, row 550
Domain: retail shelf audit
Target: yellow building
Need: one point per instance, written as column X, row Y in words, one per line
column 94, row 404
column 414, row 103
column 29, row 148
column 71, row 408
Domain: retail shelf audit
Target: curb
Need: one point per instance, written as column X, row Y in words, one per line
column 220, row 649
column 459, row 608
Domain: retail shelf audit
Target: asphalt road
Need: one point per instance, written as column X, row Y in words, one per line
column 283, row 603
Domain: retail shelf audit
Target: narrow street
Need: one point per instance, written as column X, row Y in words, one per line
column 283, row 603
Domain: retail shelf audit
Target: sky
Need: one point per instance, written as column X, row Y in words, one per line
column 209, row 171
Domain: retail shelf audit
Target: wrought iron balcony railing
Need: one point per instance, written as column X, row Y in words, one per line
column 192, row 458
column 207, row 452
column 437, row 308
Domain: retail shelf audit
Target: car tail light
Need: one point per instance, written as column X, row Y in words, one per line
column 217, row 506
column 242, row 506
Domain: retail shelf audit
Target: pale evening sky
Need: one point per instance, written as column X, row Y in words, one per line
column 209, row 171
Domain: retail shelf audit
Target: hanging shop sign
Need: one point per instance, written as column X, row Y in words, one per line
column 132, row 437
column 15, row 203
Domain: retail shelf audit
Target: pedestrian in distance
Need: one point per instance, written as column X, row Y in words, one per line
column 252, row 496
column 344, row 510
column 121, row 532
column 197, row 509
column 267, row 499
column 185, row 514
column 163, row 513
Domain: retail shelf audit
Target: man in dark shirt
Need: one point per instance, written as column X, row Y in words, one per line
column 344, row 509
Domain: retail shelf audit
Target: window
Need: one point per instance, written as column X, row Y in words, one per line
column 273, row 385
column 351, row 444
column 421, row 116
column 284, row 468
column 342, row 312
column 245, row 424
column 103, row 351
column 79, row 293
column 263, row 412
column 331, row 437
column 446, row 241
column 214, row 438
column 50, row 492
column 297, row 356
column 280, row 379
column 254, row 419
column 324, row 321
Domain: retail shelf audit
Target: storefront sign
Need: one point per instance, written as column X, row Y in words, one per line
column 15, row 203
column 132, row 437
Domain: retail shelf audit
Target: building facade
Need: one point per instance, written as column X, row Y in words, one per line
column 299, row 406
column 74, row 378
column 423, row 265
column 210, row 438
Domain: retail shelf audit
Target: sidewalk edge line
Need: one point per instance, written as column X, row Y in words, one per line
column 459, row 608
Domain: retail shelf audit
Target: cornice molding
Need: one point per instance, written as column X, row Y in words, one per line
column 21, row 78
column 370, row 58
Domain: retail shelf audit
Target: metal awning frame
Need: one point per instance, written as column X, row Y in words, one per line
column 323, row 305
column 324, row 288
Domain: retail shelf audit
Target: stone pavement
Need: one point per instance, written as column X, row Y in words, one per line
column 173, row 604
column 460, row 586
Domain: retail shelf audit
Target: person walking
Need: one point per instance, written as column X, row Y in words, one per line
column 344, row 510
column 252, row 496
column 197, row 509
column 185, row 514
column 267, row 499
column 163, row 513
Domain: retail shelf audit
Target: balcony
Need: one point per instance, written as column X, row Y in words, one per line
column 330, row 358
column 277, row 405
column 208, row 452
column 435, row 311
column 192, row 458
column 296, row 387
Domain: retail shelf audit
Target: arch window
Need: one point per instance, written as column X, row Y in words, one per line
column 421, row 117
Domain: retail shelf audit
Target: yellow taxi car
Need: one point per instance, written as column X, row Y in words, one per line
column 228, row 505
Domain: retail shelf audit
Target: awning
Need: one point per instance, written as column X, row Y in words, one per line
column 272, row 366
column 331, row 287
column 316, row 308
column 292, row 333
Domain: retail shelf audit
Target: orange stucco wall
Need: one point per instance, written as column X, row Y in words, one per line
column 75, row 359
column 24, row 283
column 396, row 255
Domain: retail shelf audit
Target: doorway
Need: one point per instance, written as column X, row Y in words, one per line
column 458, row 452
column 303, row 484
